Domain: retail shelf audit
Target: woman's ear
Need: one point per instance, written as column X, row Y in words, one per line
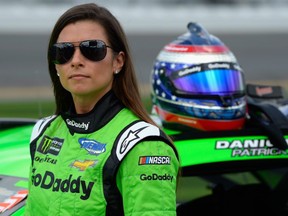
column 118, row 62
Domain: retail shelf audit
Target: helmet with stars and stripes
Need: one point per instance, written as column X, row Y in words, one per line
column 197, row 82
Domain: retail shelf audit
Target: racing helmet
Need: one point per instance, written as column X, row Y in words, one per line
column 197, row 82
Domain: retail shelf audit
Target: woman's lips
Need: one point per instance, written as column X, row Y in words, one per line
column 78, row 76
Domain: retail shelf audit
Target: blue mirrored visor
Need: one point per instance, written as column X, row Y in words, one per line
column 209, row 79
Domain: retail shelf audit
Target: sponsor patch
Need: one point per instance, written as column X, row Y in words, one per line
column 156, row 177
column 79, row 125
column 45, row 159
column 154, row 160
column 49, row 181
column 92, row 146
column 83, row 165
column 50, row 145
column 131, row 136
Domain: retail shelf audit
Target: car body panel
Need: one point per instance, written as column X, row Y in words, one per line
column 239, row 164
column 200, row 148
column 15, row 162
column 231, row 173
column 14, row 151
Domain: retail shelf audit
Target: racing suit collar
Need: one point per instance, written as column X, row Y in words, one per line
column 105, row 109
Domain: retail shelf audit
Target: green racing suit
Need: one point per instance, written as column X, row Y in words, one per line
column 89, row 165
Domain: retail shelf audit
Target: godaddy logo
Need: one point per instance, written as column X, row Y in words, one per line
column 49, row 181
column 156, row 177
column 81, row 125
column 50, row 145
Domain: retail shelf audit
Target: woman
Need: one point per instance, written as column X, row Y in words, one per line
column 100, row 154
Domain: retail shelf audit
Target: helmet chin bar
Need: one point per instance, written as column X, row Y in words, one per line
column 197, row 123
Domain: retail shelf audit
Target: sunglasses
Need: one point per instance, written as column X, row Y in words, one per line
column 94, row 50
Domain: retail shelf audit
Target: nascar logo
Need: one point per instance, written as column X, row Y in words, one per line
column 154, row 160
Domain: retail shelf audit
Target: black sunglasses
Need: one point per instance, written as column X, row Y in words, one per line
column 94, row 50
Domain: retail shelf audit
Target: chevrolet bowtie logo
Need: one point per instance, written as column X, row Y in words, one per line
column 83, row 165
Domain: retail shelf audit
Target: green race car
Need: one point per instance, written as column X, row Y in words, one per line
column 237, row 172
column 15, row 162
column 223, row 172
column 231, row 173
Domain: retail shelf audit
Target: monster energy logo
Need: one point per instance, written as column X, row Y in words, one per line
column 50, row 145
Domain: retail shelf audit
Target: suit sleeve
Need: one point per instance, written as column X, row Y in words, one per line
column 147, row 180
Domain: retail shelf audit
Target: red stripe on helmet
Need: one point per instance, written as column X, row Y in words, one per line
column 190, row 49
column 201, row 124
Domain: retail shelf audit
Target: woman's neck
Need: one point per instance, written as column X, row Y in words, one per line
column 84, row 104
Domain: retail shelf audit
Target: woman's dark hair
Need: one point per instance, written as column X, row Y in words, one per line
column 124, row 85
